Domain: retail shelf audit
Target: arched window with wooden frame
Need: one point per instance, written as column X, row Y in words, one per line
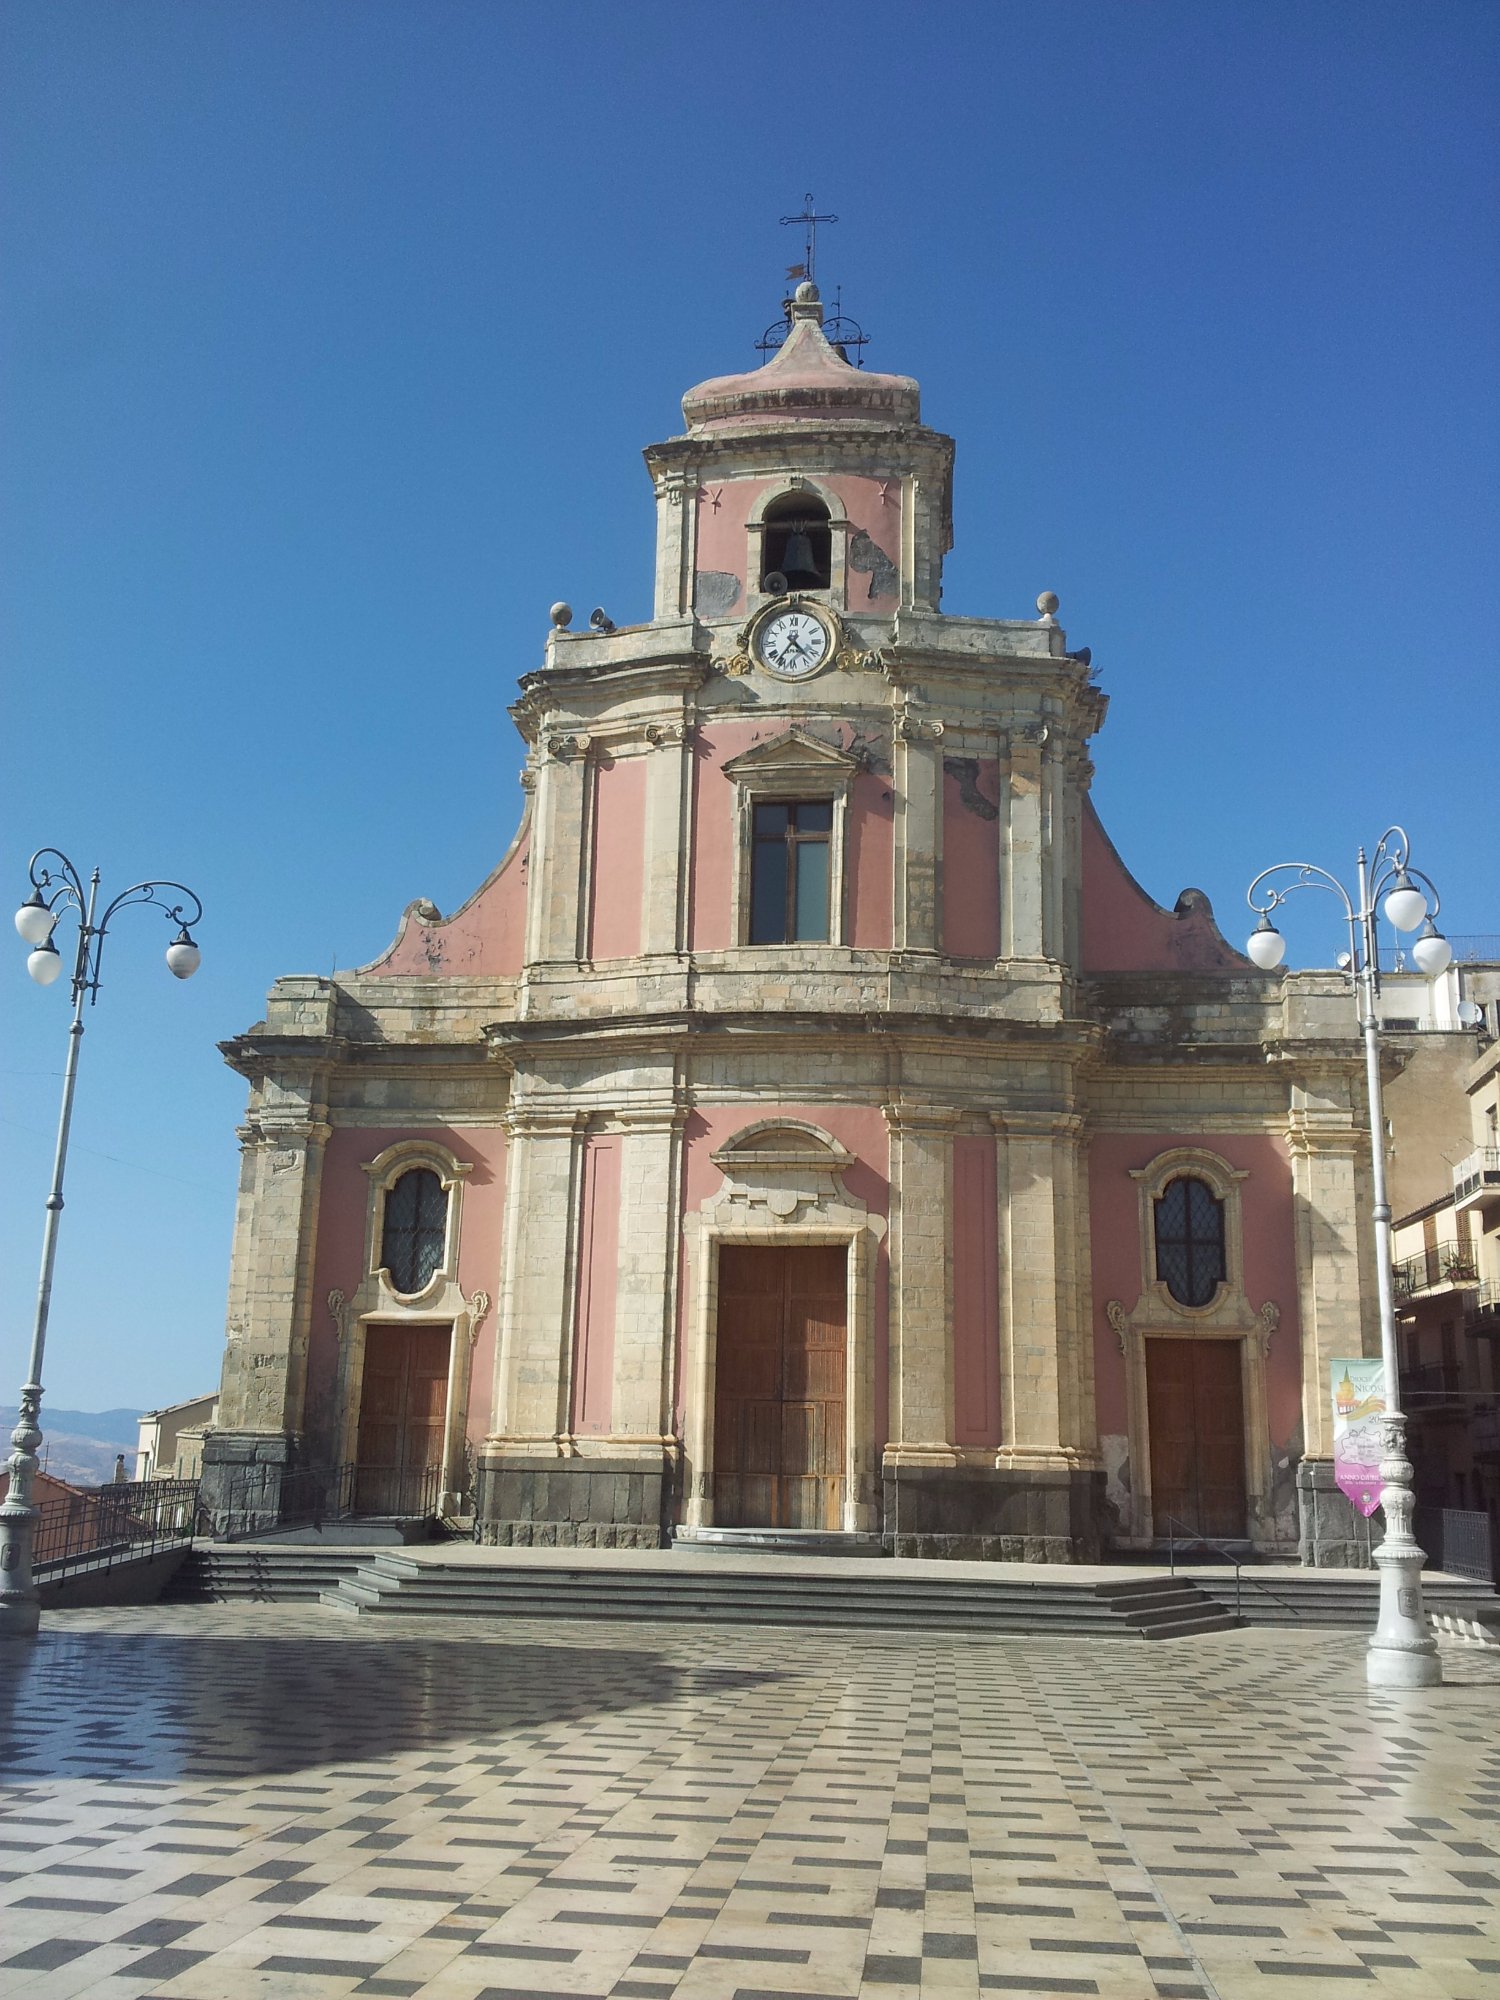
column 1190, row 1242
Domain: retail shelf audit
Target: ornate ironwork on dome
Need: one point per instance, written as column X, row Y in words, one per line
column 809, row 380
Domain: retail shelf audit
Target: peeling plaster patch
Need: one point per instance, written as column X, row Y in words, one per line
column 871, row 560
column 1114, row 1447
column 715, row 591
column 966, row 771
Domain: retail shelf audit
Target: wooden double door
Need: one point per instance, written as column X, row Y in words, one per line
column 1196, row 1410
column 403, row 1411
column 779, row 1399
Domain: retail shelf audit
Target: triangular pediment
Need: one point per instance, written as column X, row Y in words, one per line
column 795, row 751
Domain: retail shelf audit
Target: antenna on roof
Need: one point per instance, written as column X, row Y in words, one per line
column 847, row 337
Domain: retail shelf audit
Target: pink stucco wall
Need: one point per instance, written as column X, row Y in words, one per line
column 725, row 507
column 1124, row 931
column 618, row 874
column 861, row 1130
column 1270, row 1268
column 485, row 935
column 598, row 1267
column 714, row 860
column 343, row 1207
column 971, row 864
column 871, row 862
column 976, row 1283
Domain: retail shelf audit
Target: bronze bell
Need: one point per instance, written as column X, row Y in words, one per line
column 799, row 557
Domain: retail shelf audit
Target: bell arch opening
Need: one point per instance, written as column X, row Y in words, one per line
column 797, row 543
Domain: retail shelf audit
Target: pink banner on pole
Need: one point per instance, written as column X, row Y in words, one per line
column 1358, row 1407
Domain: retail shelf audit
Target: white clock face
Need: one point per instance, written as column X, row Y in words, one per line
column 793, row 644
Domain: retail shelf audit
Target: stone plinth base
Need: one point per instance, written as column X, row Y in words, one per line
column 1332, row 1534
column 553, row 1503
column 241, row 1485
column 968, row 1513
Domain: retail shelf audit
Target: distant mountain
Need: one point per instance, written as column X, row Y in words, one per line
column 119, row 1428
column 83, row 1461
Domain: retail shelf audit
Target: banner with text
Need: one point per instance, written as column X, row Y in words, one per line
column 1358, row 1407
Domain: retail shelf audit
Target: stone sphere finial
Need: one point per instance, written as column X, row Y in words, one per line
column 807, row 293
column 561, row 615
column 1047, row 604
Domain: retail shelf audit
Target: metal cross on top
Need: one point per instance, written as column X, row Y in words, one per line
column 810, row 220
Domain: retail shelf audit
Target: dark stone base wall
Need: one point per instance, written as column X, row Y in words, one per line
column 965, row 1514
column 240, row 1488
column 587, row 1503
column 1332, row 1534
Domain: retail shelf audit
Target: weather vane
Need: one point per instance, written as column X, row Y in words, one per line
column 809, row 218
column 846, row 335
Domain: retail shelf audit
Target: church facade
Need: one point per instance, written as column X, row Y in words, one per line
column 809, row 1130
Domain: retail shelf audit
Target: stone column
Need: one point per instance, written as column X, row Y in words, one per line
column 1050, row 1447
column 538, row 1278
column 1334, row 1283
column 553, row 914
column 668, row 783
column 676, row 543
column 1022, row 922
column 921, row 1327
column 258, row 1430
column 918, row 831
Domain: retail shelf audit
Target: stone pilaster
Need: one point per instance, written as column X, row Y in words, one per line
column 918, row 831
column 921, row 1321
column 646, row 1298
column 553, row 905
column 1336, row 1298
column 676, row 542
column 668, row 803
column 264, row 1378
column 1022, row 920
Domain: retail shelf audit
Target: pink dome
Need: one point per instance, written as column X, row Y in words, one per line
column 808, row 381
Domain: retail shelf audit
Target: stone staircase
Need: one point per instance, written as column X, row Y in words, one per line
column 1314, row 1599
column 841, row 1595
column 238, row 1573
column 877, row 1598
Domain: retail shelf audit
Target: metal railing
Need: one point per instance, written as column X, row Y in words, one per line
column 112, row 1524
column 1191, row 1539
column 1434, row 1381
column 1482, row 1310
column 1450, row 1263
column 1458, row 1540
column 1479, row 1171
column 261, row 1499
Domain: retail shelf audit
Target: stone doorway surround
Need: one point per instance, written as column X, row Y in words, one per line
column 782, row 1186
column 1228, row 1316
column 441, row 1302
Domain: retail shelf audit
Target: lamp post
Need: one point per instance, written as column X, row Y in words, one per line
column 1402, row 1652
column 56, row 887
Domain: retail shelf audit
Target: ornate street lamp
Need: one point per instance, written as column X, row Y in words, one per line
column 56, row 888
column 1403, row 1652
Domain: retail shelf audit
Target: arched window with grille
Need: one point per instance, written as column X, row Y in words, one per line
column 1190, row 1259
column 416, row 1226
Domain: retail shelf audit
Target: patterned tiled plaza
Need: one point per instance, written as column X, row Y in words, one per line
column 205, row 1803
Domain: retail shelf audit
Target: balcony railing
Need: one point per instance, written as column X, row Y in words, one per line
column 1439, row 1264
column 1436, row 1382
column 1477, row 1178
column 1482, row 1309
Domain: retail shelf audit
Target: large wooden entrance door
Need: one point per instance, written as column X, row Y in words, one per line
column 402, row 1411
column 1196, row 1410
column 779, row 1388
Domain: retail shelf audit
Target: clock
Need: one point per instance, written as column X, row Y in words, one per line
column 793, row 642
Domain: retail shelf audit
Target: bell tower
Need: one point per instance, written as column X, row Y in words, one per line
column 807, row 476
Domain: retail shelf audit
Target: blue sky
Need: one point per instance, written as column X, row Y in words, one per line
column 331, row 337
